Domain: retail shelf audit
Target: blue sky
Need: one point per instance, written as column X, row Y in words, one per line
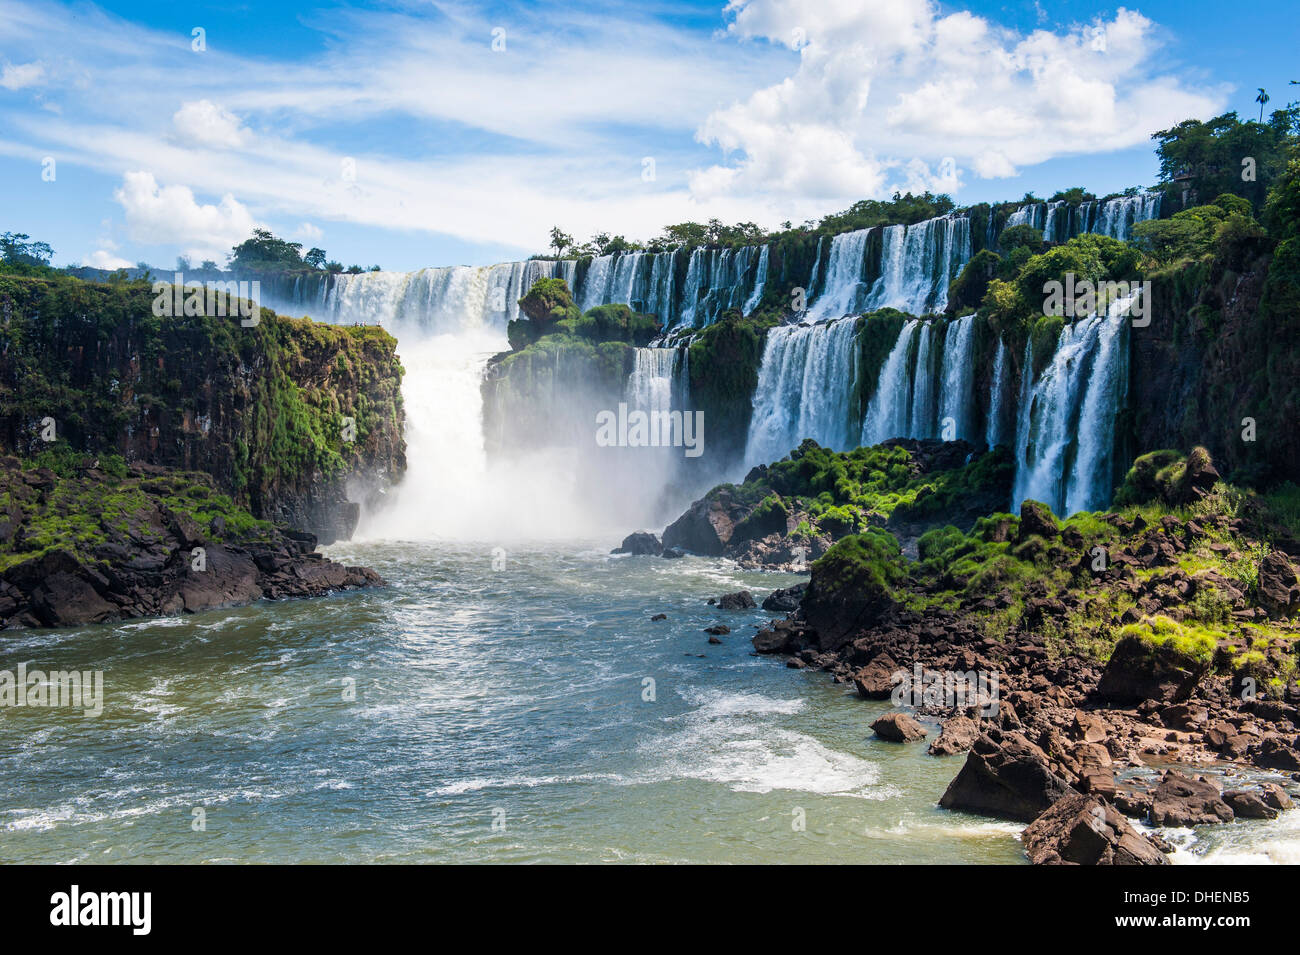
column 430, row 134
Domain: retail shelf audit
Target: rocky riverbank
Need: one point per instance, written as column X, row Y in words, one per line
column 784, row 515
column 1109, row 667
column 105, row 543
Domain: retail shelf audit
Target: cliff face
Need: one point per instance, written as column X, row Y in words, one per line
column 284, row 415
column 1222, row 351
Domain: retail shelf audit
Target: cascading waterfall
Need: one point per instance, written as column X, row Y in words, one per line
column 887, row 413
column 958, row 376
column 993, row 435
column 811, row 291
column 1066, row 434
column 643, row 281
column 918, row 262
column 430, row 301
column 845, row 286
column 1118, row 216
column 805, row 383
column 718, row 280
column 922, row 420
column 657, row 380
column 1060, row 221
column 1090, row 483
column 757, row 295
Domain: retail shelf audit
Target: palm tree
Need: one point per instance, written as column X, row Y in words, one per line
column 1261, row 99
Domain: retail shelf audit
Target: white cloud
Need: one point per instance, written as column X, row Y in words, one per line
column 553, row 130
column 898, row 87
column 204, row 123
column 103, row 259
column 158, row 215
column 17, row 76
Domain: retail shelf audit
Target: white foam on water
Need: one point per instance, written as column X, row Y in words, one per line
column 733, row 738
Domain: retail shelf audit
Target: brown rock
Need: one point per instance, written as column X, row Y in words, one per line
column 1084, row 830
column 1279, row 585
column 874, row 681
column 958, row 734
column 1089, row 727
column 1006, row 776
column 1248, row 805
column 1275, row 796
column 898, row 727
column 1180, row 800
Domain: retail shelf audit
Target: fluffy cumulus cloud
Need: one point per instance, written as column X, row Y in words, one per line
column 170, row 215
column 796, row 109
column 103, row 259
column 204, row 123
column 898, row 95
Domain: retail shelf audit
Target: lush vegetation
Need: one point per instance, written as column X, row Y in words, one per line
column 260, row 408
column 848, row 492
column 97, row 505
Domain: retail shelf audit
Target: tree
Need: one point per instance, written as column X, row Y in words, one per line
column 1212, row 155
column 207, row 265
column 560, row 240
column 183, row 263
column 264, row 252
column 315, row 258
column 1261, row 99
column 16, row 249
column 1018, row 236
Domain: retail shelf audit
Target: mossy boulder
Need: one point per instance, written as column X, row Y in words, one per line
column 1151, row 477
column 1036, row 519
column 1156, row 659
column 853, row 585
column 547, row 302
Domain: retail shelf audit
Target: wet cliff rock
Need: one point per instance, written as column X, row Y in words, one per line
column 286, row 415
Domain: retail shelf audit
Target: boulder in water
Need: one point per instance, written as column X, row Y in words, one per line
column 1084, row 830
column 1005, row 776
column 1180, row 800
column 786, row 599
column 740, row 600
column 640, row 544
column 898, row 728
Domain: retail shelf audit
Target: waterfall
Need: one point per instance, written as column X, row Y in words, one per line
column 993, row 435
column 656, row 382
column 958, row 376
column 805, row 383
column 437, row 300
column 887, row 413
column 432, row 301
column 718, row 280
column 811, row 291
column 918, row 262
column 643, row 281
column 845, row 288
column 756, row 296
column 1118, row 216
column 1090, row 482
column 923, row 388
column 1067, row 421
column 1060, row 222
